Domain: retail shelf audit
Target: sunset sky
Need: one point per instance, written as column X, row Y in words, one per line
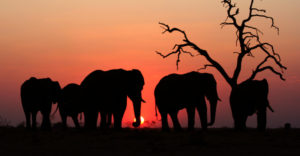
column 66, row 40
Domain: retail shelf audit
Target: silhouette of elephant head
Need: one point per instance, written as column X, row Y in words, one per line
column 248, row 98
column 70, row 103
column 175, row 92
column 38, row 95
column 107, row 91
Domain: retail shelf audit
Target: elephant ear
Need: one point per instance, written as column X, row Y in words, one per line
column 136, row 79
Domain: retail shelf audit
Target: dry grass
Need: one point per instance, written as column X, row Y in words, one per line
column 19, row 141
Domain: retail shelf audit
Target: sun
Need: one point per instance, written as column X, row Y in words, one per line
column 142, row 120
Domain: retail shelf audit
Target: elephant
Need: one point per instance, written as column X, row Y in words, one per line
column 107, row 91
column 248, row 98
column 175, row 92
column 70, row 103
column 38, row 95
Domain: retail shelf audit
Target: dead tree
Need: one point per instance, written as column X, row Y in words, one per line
column 249, row 42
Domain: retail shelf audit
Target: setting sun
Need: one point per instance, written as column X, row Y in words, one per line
column 142, row 120
column 67, row 40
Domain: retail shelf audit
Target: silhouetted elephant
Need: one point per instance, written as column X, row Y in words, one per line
column 38, row 95
column 175, row 92
column 106, row 92
column 70, row 103
column 248, row 98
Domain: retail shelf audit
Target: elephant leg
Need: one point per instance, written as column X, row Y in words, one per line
column 243, row 122
column 175, row 121
column 234, row 114
column 103, row 124
column 46, row 110
column 94, row 119
column 240, row 121
column 117, row 121
column 164, row 121
column 191, row 117
column 64, row 120
column 33, row 116
column 90, row 119
column 109, row 115
column 46, row 125
column 238, row 117
column 235, row 119
column 202, row 111
column 28, row 123
column 75, row 120
column 262, row 119
column 87, row 118
column 118, row 116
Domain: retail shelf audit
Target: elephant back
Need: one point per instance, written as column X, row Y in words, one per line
column 35, row 92
column 185, row 88
column 110, row 86
column 251, row 95
column 112, row 81
column 70, row 99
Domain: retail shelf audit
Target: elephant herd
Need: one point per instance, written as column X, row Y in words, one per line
column 106, row 92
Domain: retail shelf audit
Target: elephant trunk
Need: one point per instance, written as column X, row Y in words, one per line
column 213, row 108
column 137, row 100
column 137, row 113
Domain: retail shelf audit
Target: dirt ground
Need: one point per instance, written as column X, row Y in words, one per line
column 19, row 141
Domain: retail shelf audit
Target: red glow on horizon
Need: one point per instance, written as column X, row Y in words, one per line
column 142, row 120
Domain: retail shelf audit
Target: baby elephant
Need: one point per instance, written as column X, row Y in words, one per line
column 70, row 103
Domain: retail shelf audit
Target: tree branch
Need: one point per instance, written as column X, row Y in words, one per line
column 205, row 67
column 259, row 69
column 250, row 35
column 225, row 23
column 268, row 17
column 278, row 62
column 186, row 52
column 262, row 47
column 246, row 37
column 178, row 51
column 231, row 16
column 259, row 10
column 167, row 29
column 250, row 14
column 188, row 43
column 251, row 9
column 254, row 28
column 266, row 68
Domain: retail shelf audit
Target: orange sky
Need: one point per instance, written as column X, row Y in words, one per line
column 66, row 40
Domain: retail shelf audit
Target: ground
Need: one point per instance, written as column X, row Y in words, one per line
column 19, row 141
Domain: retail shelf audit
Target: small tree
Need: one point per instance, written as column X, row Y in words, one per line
column 248, row 40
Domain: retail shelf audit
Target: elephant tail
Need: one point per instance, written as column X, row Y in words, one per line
column 156, row 112
column 271, row 109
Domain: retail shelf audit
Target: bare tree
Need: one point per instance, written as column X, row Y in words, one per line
column 248, row 40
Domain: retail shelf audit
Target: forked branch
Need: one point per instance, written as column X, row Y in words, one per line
column 187, row 43
column 205, row 67
column 259, row 68
column 248, row 38
column 268, row 17
column 167, row 29
column 230, row 15
column 178, row 51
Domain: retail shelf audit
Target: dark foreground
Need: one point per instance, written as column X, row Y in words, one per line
column 18, row 141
